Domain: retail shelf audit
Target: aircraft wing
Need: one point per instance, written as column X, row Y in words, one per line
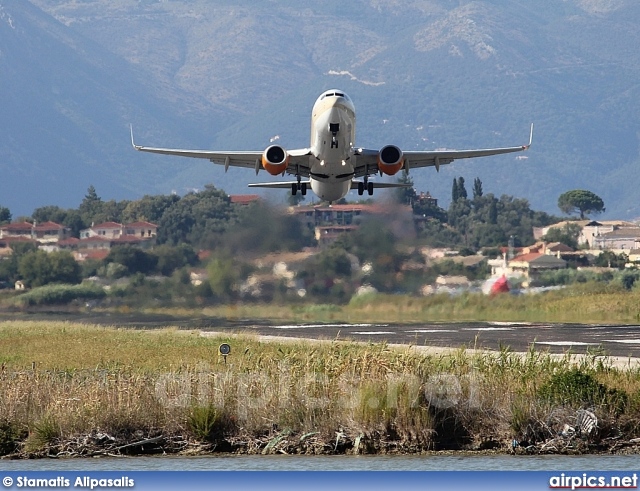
column 251, row 159
column 367, row 160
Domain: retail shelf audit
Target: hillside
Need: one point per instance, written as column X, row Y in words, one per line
column 220, row 74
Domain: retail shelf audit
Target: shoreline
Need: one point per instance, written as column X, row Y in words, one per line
column 96, row 445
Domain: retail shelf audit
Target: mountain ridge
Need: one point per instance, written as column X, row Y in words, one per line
column 423, row 75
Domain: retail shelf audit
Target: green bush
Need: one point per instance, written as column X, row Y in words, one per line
column 577, row 388
column 42, row 433
column 9, row 437
column 60, row 294
column 208, row 423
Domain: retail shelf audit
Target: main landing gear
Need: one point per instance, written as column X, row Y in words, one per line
column 365, row 185
column 299, row 186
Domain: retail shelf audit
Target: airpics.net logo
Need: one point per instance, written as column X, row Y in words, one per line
column 586, row 481
column 256, row 390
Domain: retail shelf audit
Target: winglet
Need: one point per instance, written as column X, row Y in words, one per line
column 137, row 147
column 526, row 147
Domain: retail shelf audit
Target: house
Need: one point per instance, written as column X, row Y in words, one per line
column 330, row 221
column 107, row 230
column 141, row 229
column 533, row 264
column 46, row 232
column 634, row 256
column 620, row 239
column 595, row 229
column 243, row 199
column 132, row 233
column 327, row 235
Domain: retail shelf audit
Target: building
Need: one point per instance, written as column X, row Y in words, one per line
column 113, row 230
column 46, row 232
column 620, row 239
column 243, row 199
column 329, row 221
column 531, row 265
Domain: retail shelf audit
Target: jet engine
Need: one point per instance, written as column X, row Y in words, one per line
column 390, row 160
column 275, row 160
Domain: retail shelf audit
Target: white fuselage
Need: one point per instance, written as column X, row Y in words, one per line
column 332, row 163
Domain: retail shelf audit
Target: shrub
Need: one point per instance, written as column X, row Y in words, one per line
column 9, row 436
column 60, row 294
column 577, row 388
column 43, row 432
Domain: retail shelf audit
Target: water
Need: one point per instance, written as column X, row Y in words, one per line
column 333, row 463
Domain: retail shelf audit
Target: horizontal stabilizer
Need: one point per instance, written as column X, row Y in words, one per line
column 379, row 185
column 277, row 185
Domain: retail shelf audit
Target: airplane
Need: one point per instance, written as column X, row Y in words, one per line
column 332, row 165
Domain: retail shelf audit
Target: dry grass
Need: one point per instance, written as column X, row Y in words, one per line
column 579, row 303
column 87, row 379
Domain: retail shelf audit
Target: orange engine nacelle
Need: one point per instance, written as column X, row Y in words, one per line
column 275, row 160
column 390, row 160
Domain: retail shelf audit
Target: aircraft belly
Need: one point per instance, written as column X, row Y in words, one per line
column 330, row 190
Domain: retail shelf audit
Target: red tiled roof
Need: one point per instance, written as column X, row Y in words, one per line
column 95, row 238
column 243, row 199
column 17, row 226
column 527, row 258
column 49, row 226
column 68, row 242
column 141, row 225
column 203, row 255
column 107, row 225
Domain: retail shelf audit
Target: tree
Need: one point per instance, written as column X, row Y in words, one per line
column 477, row 188
column 261, row 228
column 579, row 200
column 608, row 259
column 455, row 192
column 197, row 218
column 567, row 235
column 172, row 258
column 91, row 205
column 134, row 259
column 225, row 274
column 40, row 268
column 149, row 208
column 5, row 215
column 462, row 191
column 405, row 195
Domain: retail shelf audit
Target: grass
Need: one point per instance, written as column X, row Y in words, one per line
column 580, row 303
column 60, row 381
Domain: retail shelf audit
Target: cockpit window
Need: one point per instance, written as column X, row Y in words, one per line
column 335, row 94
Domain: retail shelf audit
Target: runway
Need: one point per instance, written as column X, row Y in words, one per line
column 611, row 340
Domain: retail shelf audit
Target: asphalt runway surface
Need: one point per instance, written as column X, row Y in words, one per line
column 619, row 341
column 611, row 340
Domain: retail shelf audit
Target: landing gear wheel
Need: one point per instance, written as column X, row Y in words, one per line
column 370, row 188
column 303, row 189
column 294, row 189
column 360, row 188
